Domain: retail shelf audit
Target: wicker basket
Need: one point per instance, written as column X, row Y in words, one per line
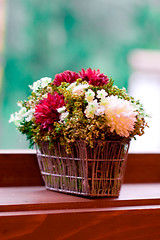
column 92, row 172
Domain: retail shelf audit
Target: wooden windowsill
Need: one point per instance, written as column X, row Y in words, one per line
column 29, row 211
column 38, row 198
column 36, row 213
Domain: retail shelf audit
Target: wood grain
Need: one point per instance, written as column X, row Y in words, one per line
column 28, row 211
column 112, row 224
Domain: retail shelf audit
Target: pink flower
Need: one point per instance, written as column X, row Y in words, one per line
column 46, row 111
column 66, row 76
column 94, row 77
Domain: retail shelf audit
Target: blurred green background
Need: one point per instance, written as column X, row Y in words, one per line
column 45, row 37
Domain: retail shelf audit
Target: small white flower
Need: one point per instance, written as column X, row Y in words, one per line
column 91, row 109
column 71, row 86
column 19, row 104
column 63, row 116
column 42, row 83
column 102, row 94
column 44, row 95
column 89, row 95
column 12, row 118
column 78, row 90
column 36, row 85
column 61, row 109
column 45, row 81
column 104, row 102
column 100, row 110
column 29, row 114
column 18, row 116
column 21, row 112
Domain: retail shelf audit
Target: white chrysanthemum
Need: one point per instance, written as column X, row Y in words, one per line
column 101, row 94
column 91, row 109
column 78, row 90
column 89, row 95
column 120, row 116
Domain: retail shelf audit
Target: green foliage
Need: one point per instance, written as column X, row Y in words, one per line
column 28, row 129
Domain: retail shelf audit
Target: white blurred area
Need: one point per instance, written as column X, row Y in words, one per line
column 144, row 84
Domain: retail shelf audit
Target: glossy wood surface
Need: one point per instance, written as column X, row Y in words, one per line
column 29, row 211
column 112, row 224
column 36, row 213
column 38, row 198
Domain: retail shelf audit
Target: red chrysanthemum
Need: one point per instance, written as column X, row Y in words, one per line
column 46, row 111
column 66, row 76
column 94, row 77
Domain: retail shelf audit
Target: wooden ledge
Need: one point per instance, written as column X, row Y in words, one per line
column 38, row 198
column 35, row 213
column 28, row 211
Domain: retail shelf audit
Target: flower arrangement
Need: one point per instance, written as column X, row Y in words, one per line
column 73, row 106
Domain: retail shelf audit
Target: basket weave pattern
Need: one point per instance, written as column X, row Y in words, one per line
column 94, row 172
